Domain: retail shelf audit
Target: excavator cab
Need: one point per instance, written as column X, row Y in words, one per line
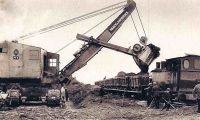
column 51, row 63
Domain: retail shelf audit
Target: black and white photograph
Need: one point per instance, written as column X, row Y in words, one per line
column 99, row 60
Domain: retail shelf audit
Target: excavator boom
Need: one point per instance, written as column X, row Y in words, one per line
column 90, row 51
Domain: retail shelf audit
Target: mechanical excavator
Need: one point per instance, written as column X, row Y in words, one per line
column 143, row 55
column 36, row 71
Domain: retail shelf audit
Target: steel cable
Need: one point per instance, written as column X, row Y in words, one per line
column 81, row 19
column 135, row 26
column 89, row 30
column 71, row 21
column 141, row 21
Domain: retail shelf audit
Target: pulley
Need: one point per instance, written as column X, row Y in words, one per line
column 143, row 40
column 137, row 48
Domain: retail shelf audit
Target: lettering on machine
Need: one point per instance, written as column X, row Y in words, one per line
column 118, row 21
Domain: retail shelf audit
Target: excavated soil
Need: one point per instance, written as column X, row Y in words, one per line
column 85, row 104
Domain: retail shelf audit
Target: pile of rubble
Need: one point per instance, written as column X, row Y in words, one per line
column 82, row 94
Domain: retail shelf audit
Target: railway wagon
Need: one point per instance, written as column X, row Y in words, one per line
column 137, row 82
column 130, row 84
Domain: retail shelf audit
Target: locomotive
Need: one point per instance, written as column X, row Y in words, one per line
column 180, row 74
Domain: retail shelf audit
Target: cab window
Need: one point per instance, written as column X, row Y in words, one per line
column 52, row 62
column 3, row 50
column 196, row 64
column 186, row 64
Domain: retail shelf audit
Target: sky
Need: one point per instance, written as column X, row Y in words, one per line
column 173, row 25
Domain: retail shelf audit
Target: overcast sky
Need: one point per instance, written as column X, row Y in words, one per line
column 173, row 25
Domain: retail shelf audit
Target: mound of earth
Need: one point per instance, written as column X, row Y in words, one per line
column 82, row 94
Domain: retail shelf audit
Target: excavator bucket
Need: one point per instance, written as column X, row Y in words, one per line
column 146, row 57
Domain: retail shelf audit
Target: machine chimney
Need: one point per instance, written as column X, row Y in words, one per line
column 163, row 64
column 157, row 65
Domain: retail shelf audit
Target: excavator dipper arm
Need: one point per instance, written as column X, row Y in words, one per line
column 90, row 40
column 143, row 55
column 90, row 51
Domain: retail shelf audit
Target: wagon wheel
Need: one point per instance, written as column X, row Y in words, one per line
column 182, row 98
column 1, row 106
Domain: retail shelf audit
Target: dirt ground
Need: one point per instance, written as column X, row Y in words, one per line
column 85, row 104
column 109, row 109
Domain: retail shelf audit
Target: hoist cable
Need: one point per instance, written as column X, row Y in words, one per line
column 64, row 24
column 71, row 21
column 135, row 27
column 141, row 21
column 91, row 29
column 87, row 14
column 103, row 21
column 82, row 19
column 66, row 45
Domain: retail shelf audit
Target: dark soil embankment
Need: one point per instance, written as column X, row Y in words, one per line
column 82, row 94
